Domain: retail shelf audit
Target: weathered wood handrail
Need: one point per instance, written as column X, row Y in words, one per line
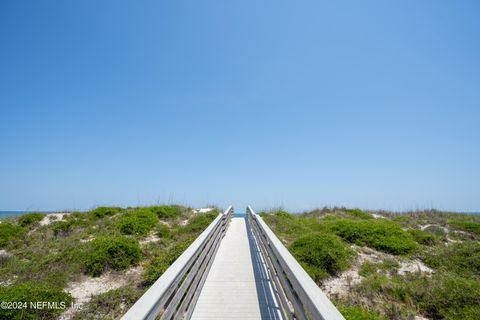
column 174, row 294
column 298, row 295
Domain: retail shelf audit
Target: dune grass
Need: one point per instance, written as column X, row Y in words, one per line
column 452, row 291
column 109, row 305
column 358, row 313
column 322, row 254
column 460, row 258
column 179, row 237
column 9, row 232
column 466, row 225
column 381, row 234
column 30, row 219
column 115, row 253
column 91, row 243
column 138, row 222
column 31, row 292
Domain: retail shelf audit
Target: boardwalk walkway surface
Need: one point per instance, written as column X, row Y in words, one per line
column 237, row 286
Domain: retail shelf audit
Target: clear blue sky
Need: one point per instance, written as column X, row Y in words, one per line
column 371, row 104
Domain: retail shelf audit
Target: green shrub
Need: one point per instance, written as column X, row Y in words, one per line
column 289, row 227
column 139, row 222
column 469, row 226
column 401, row 218
column 358, row 313
column 442, row 295
column 77, row 215
column 199, row 222
column 160, row 264
column 167, row 212
column 358, row 213
column 449, row 296
column 58, row 265
column 8, row 232
column 101, row 212
column 321, row 254
column 423, row 237
column 154, row 270
column 451, row 292
column 62, row 227
column 461, row 258
column 283, row 214
column 112, row 253
column 400, row 293
column 381, row 234
column 30, row 219
column 34, row 292
column 183, row 237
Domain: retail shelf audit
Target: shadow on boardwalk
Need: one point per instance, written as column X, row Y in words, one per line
column 269, row 309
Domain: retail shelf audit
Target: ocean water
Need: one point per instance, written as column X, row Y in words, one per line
column 5, row 214
column 239, row 215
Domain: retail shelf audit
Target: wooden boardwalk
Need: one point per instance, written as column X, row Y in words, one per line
column 224, row 275
column 237, row 286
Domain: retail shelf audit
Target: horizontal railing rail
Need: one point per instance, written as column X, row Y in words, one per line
column 174, row 294
column 298, row 295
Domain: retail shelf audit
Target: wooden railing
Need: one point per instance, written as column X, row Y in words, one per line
column 298, row 295
column 174, row 294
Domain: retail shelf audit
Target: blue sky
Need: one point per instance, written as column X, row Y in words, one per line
column 371, row 104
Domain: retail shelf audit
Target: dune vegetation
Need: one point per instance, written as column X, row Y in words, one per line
column 383, row 265
column 373, row 265
column 103, row 259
